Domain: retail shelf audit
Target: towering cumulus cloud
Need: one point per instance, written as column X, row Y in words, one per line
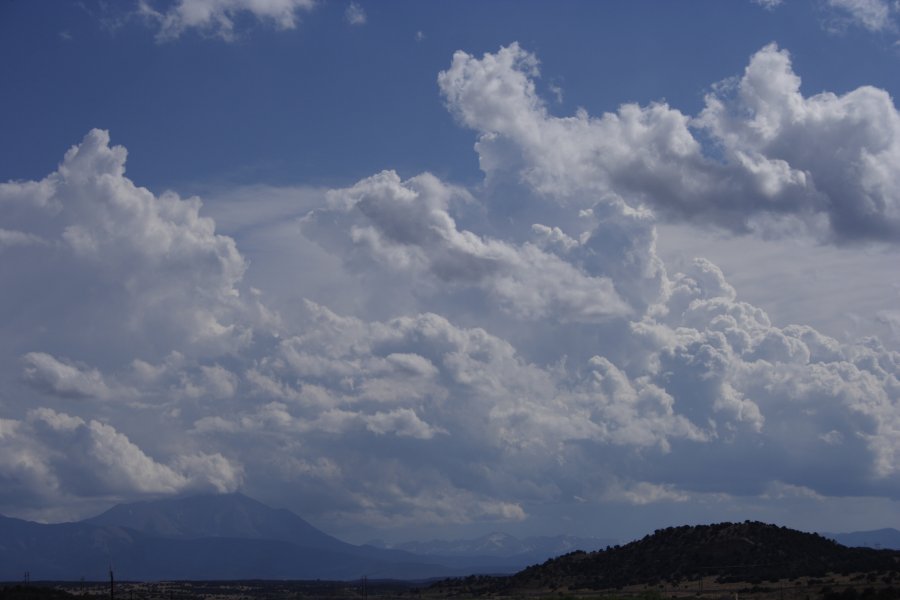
column 825, row 164
column 511, row 350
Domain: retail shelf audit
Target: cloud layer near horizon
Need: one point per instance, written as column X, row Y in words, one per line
column 515, row 346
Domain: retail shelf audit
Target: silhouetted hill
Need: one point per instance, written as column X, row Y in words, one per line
column 748, row 552
column 738, row 551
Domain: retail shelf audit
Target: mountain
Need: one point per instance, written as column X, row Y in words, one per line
column 746, row 551
column 240, row 517
column 878, row 538
column 217, row 516
column 201, row 537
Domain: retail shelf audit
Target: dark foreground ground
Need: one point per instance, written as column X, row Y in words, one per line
column 858, row 586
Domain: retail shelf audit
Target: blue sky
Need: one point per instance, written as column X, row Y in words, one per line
column 419, row 269
column 287, row 106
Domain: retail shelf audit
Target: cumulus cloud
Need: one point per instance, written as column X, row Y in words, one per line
column 505, row 349
column 56, row 377
column 218, row 16
column 874, row 15
column 766, row 125
column 123, row 260
column 763, row 177
column 51, row 454
column 405, row 226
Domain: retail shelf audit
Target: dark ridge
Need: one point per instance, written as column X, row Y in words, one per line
column 730, row 552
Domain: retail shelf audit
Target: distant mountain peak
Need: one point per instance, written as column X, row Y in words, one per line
column 204, row 536
column 232, row 515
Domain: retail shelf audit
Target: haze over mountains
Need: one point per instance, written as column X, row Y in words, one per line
column 502, row 545
column 217, row 516
column 879, row 538
column 231, row 536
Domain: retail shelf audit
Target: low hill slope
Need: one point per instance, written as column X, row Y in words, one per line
column 748, row 551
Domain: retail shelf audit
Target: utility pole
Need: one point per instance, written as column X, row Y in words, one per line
column 112, row 585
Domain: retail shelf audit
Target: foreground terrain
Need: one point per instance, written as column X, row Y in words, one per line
column 726, row 560
column 832, row 587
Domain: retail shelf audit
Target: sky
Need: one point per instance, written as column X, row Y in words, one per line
column 431, row 270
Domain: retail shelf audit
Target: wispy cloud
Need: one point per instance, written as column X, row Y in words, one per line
column 355, row 14
column 217, row 17
column 874, row 15
column 768, row 4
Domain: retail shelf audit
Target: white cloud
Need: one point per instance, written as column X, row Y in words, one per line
column 773, row 183
column 642, row 492
column 58, row 457
column 218, row 16
column 10, row 238
column 443, row 355
column 874, row 15
column 210, row 472
column 67, row 380
column 402, row 422
column 150, row 266
column 405, row 226
column 768, row 4
column 769, row 127
column 355, row 14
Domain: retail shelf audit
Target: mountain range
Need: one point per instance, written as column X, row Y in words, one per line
column 202, row 537
column 231, row 536
column 877, row 538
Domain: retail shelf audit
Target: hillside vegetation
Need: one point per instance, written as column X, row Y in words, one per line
column 748, row 552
